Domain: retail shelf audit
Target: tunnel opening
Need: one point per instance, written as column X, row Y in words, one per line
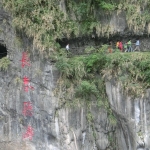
column 78, row 45
column 3, row 51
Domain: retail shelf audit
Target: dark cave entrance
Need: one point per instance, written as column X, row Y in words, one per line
column 3, row 51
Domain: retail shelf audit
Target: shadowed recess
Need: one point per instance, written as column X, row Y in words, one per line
column 3, row 51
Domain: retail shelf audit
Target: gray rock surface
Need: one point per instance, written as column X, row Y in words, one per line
column 132, row 115
column 56, row 127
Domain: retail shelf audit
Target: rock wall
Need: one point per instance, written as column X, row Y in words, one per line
column 132, row 116
column 46, row 125
column 56, row 127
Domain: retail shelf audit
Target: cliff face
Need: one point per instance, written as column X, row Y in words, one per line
column 31, row 117
column 132, row 115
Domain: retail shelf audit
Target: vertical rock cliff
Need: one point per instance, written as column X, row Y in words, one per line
column 30, row 115
column 132, row 115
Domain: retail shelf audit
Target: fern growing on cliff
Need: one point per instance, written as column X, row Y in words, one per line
column 4, row 63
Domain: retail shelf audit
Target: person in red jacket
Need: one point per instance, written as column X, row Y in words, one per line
column 120, row 46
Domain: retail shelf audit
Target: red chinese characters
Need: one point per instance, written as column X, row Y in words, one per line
column 25, row 60
column 26, row 83
column 27, row 109
column 29, row 133
column 27, row 106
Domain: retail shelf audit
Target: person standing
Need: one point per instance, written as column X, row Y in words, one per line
column 125, row 47
column 137, row 45
column 120, row 46
column 129, row 46
column 117, row 44
column 67, row 47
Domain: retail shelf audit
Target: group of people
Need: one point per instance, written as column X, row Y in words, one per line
column 126, row 47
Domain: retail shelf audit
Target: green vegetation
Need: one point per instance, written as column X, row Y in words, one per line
column 18, row 81
column 107, row 5
column 83, row 78
column 4, row 63
column 86, row 73
column 45, row 21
